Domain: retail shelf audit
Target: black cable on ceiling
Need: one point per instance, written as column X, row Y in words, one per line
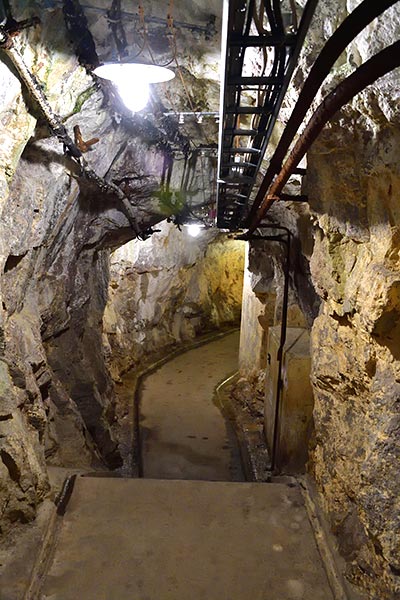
column 80, row 35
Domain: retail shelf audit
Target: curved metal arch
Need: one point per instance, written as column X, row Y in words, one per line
column 361, row 16
column 374, row 68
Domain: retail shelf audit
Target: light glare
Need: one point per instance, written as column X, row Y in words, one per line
column 194, row 229
column 117, row 72
column 134, row 96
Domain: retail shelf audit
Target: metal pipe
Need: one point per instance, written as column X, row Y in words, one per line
column 364, row 14
column 285, row 301
column 374, row 68
column 208, row 29
column 59, row 130
column 279, row 383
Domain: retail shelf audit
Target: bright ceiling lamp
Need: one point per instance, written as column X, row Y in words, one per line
column 133, row 80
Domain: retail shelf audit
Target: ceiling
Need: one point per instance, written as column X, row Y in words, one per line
column 261, row 42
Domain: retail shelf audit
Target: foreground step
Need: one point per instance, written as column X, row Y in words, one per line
column 140, row 539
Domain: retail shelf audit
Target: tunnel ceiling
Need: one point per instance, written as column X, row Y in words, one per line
column 262, row 42
column 182, row 36
column 181, row 119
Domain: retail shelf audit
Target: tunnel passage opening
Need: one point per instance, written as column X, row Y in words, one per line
column 181, row 432
column 163, row 294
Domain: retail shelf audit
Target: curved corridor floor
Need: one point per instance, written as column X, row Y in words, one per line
column 161, row 539
column 183, row 434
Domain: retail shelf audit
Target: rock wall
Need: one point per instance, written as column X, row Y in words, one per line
column 56, row 232
column 264, row 284
column 168, row 289
column 258, row 309
column 355, row 341
column 354, row 186
column 33, row 400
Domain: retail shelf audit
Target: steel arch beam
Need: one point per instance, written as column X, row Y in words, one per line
column 361, row 16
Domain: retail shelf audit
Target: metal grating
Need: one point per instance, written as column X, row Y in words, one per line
column 259, row 37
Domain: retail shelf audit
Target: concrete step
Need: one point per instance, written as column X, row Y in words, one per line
column 143, row 539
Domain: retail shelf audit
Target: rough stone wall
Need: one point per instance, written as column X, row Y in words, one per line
column 258, row 308
column 354, row 188
column 168, row 289
column 55, row 236
column 56, row 232
column 30, row 393
column 57, row 229
column 355, row 341
column 264, row 283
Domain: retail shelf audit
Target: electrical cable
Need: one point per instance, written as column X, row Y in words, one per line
column 58, row 129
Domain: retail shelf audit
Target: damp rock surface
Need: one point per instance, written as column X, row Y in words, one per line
column 168, row 289
column 353, row 183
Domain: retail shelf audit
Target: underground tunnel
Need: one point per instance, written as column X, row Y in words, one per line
column 200, row 300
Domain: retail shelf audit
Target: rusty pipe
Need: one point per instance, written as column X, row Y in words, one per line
column 285, row 239
column 361, row 16
column 374, row 68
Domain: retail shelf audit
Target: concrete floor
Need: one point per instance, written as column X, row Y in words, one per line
column 136, row 539
column 183, row 434
column 168, row 539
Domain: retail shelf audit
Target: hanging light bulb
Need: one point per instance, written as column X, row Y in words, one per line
column 133, row 80
column 194, row 229
column 134, row 100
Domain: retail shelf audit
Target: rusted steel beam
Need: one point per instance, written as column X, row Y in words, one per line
column 374, row 68
column 361, row 16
